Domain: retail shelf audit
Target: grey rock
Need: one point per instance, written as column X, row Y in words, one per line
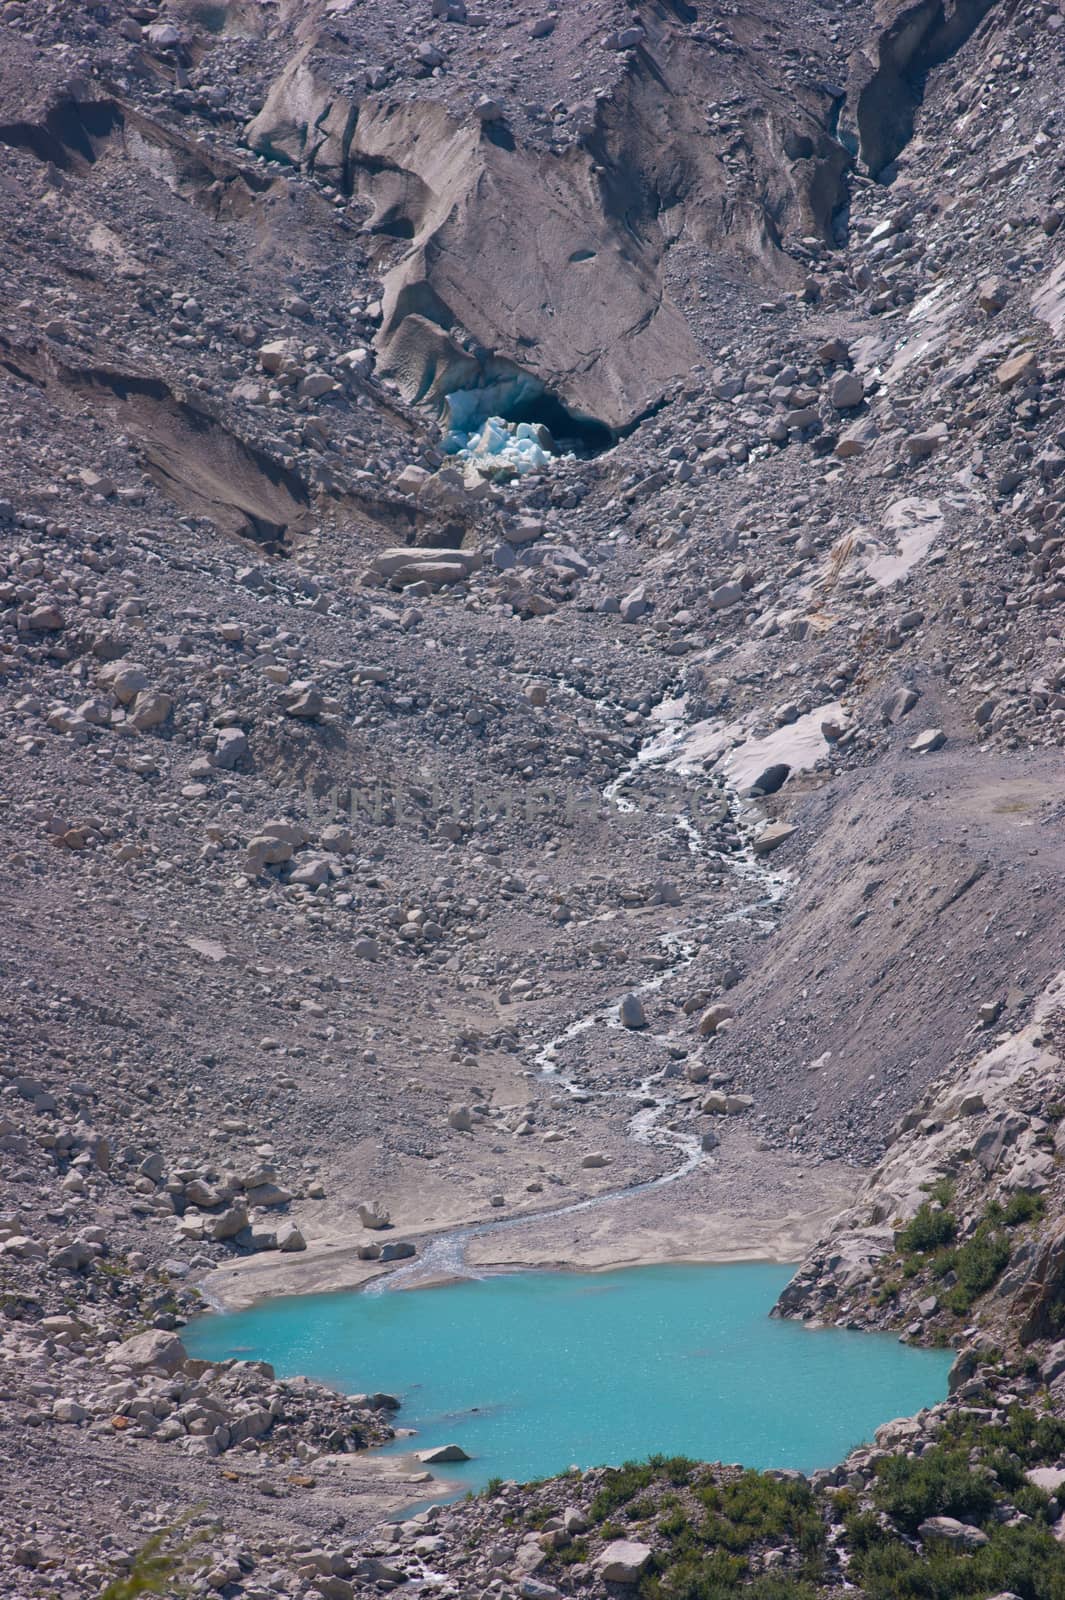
column 397, row 1250
column 146, row 1351
column 441, row 1453
column 948, row 1530
column 231, row 1222
column 623, row 1561
column 772, row 837
column 931, row 739
column 846, row 391
column 632, row 1013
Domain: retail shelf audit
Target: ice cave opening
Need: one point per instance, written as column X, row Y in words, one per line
column 514, row 425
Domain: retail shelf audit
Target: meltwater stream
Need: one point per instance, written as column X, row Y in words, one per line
column 531, row 1373
column 445, row 1256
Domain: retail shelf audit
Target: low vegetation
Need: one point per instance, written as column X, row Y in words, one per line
column 929, row 1245
column 720, row 1532
column 930, row 1228
column 1026, row 1561
column 977, row 1475
column 711, row 1531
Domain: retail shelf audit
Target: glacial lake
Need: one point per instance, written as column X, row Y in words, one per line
column 533, row 1372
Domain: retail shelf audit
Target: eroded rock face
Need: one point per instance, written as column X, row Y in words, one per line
column 975, row 1129
column 886, row 84
column 302, row 122
column 495, row 231
column 1038, row 1305
column 523, row 260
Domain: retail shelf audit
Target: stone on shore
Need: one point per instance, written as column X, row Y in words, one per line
column 623, row 1561
column 147, row 1350
column 441, row 1453
column 397, row 1250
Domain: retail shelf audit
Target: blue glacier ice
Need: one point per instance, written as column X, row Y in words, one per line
column 481, row 436
column 501, row 447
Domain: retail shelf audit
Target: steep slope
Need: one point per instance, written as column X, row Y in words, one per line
column 341, row 781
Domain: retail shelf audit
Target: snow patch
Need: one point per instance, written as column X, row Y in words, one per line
column 914, row 526
column 799, row 745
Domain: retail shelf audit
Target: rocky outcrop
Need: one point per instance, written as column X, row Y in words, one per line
column 304, row 121
column 496, row 234
column 887, row 86
column 1039, row 1307
column 976, row 1127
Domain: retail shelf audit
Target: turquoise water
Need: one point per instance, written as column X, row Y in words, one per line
column 533, row 1372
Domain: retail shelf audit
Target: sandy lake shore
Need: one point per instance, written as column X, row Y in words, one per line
column 745, row 1204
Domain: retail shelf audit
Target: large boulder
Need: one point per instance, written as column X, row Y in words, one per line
column 949, row 1531
column 397, row 1250
column 623, row 1561
column 713, row 1018
column 154, row 1350
column 442, row 1453
column 290, row 1238
column 151, row 709
column 770, row 838
column 631, row 1012
column 405, row 564
column 232, row 1221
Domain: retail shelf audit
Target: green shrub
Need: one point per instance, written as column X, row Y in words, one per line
column 940, row 1483
column 755, row 1508
column 863, row 1530
column 1023, row 1206
column 1025, row 1560
column 979, row 1263
column 674, row 1523
column 621, row 1485
column 1025, row 1437
column 722, row 1578
column 929, row 1229
column 773, row 1587
column 624, row 1483
column 712, row 1576
column 572, row 1553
